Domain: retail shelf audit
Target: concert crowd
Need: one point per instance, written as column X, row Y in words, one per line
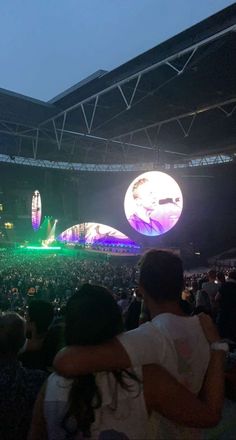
column 118, row 390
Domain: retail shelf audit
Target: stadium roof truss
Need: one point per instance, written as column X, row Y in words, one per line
column 171, row 107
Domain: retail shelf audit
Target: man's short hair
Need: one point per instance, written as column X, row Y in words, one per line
column 41, row 313
column 136, row 186
column 212, row 274
column 161, row 275
column 12, row 333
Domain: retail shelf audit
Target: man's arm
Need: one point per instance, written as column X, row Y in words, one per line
column 213, row 390
column 141, row 346
column 38, row 429
column 161, row 389
column 214, row 384
column 165, row 395
column 73, row 361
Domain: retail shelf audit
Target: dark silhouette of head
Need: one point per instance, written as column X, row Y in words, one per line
column 220, row 277
column 161, row 275
column 12, row 334
column 92, row 316
column 212, row 275
column 41, row 314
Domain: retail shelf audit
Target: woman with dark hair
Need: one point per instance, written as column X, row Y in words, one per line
column 92, row 317
column 115, row 405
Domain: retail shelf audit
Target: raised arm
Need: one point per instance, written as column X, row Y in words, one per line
column 73, row 361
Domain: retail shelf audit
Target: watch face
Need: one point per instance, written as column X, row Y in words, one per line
column 153, row 203
column 220, row 346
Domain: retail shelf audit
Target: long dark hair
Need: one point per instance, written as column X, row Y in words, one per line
column 92, row 317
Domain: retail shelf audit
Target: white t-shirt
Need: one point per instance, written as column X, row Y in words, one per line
column 122, row 416
column 179, row 345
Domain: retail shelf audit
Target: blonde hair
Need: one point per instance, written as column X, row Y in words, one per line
column 136, row 186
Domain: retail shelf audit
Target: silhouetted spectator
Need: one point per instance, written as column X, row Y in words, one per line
column 18, row 386
column 40, row 317
column 227, row 308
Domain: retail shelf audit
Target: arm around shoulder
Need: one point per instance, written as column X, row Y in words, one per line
column 75, row 360
column 38, row 429
column 164, row 394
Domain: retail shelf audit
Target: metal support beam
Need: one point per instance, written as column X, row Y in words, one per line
column 35, row 144
column 129, row 102
column 89, row 124
column 149, row 138
column 119, row 140
column 100, row 138
column 216, row 159
column 164, row 83
column 186, row 131
column 179, row 71
column 191, row 49
column 62, row 129
column 14, row 126
column 161, row 122
column 227, row 113
column 7, row 127
column 56, row 134
column 168, row 63
column 16, row 134
column 123, row 96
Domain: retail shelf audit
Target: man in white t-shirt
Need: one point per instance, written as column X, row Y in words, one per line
column 170, row 339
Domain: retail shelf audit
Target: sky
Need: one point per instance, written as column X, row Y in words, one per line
column 47, row 46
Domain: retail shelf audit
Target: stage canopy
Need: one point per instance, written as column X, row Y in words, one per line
column 174, row 105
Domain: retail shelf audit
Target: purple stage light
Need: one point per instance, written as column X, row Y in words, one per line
column 96, row 234
column 36, row 211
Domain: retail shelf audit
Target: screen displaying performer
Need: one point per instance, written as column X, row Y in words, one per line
column 153, row 203
column 96, row 234
column 36, row 210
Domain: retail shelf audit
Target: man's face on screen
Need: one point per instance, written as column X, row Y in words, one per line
column 147, row 197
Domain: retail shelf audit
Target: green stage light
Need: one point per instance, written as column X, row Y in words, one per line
column 44, row 248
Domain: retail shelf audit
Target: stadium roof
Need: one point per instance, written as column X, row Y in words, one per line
column 172, row 105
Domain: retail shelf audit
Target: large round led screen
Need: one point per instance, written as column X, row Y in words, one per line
column 153, row 203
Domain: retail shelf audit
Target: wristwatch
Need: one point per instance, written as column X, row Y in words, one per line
column 220, row 346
